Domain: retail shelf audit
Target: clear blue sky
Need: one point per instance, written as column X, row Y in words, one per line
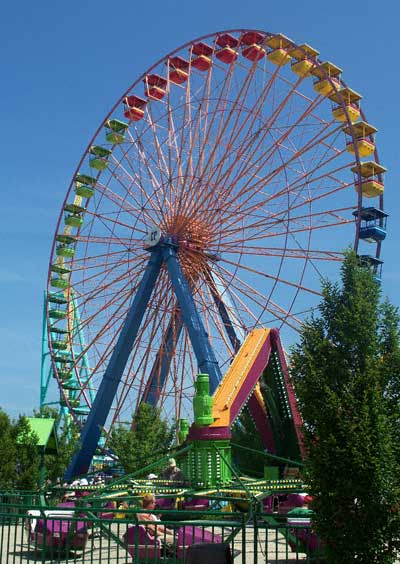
column 64, row 64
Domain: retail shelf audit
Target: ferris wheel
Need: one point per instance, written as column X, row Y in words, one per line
column 220, row 189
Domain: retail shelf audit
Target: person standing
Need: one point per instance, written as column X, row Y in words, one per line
column 172, row 472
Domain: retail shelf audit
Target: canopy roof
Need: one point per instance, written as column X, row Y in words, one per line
column 45, row 430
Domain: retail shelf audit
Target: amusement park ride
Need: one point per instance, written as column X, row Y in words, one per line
column 219, row 189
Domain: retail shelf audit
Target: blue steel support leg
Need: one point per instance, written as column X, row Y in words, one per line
column 162, row 363
column 198, row 336
column 161, row 366
column 96, row 420
column 226, row 320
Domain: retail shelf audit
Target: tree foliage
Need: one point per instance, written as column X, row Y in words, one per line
column 19, row 455
column 245, row 434
column 27, row 463
column 19, row 468
column 346, row 370
column 145, row 441
column 7, row 452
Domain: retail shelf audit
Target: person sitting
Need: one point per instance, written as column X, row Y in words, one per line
column 155, row 529
column 172, row 472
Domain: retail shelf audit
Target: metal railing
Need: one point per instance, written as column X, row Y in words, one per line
column 94, row 535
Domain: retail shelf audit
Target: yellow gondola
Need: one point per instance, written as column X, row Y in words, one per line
column 304, row 56
column 327, row 75
column 363, row 132
column 351, row 99
column 371, row 186
column 280, row 47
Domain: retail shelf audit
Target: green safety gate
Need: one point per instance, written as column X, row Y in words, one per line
column 121, row 537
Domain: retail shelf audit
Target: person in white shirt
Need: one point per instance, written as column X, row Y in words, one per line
column 156, row 530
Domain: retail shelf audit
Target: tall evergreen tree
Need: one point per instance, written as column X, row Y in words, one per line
column 346, row 370
column 145, row 441
column 27, row 462
column 7, row 452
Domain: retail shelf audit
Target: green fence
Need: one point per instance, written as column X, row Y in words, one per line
column 35, row 533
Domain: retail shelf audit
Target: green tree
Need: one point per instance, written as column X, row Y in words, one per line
column 7, row 452
column 244, row 433
column 148, row 437
column 27, row 461
column 346, row 370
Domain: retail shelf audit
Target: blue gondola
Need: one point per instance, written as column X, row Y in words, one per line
column 373, row 224
column 374, row 263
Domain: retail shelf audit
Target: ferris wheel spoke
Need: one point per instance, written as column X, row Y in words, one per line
column 169, row 327
column 149, row 164
column 87, row 236
column 218, row 110
column 320, row 163
column 239, row 297
column 254, row 112
column 111, row 300
column 140, row 209
column 234, row 114
column 96, row 287
column 103, row 353
column 162, row 362
column 106, row 274
column 307, row 202
column 232, row 321
column 127, row 242
column 109, row 264
column 161, row 163
column 103, row 327
column 308, row 228
column 117, row 256
column 187, row 372
column 239, row 288
column 117, row 200
column 248, row 190
column 236, row 205
column 270, row 276
column 296, row 253
column 177, row 169
column 80, row 260
column 296, row 187
column 194, row 135
column 262, row 225
column 269, row 304
column 319, row 137
column 110, row 220
column 254, row 167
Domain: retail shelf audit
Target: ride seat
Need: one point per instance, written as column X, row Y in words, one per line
column 141, row 545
